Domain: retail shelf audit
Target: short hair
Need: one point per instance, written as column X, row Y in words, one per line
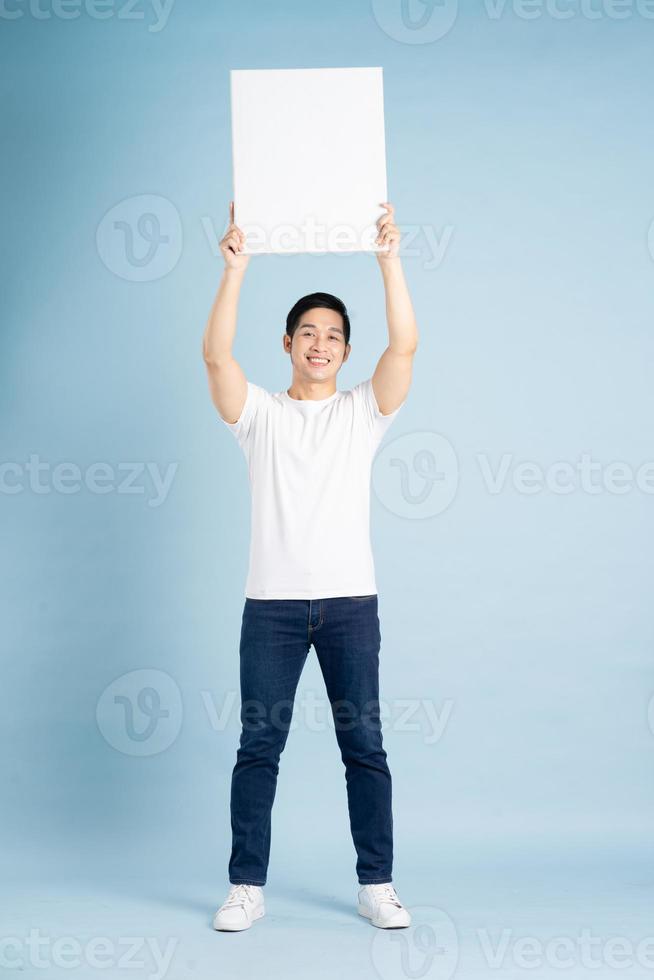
column 310, row 302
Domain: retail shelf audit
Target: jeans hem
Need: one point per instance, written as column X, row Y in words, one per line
column 377, row 881
column 246, row 881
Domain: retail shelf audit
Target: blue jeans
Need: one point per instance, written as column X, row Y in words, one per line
column 276, row 636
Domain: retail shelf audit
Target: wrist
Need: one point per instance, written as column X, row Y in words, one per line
column 231, row 272
column 390, row 264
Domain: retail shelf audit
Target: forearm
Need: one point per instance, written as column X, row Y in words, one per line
column 400, row 317
column 221, row 325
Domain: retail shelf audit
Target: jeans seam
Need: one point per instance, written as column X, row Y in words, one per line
column 312, row 629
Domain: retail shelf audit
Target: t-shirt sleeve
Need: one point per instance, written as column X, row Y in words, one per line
column 377, row 423
column 255, row 406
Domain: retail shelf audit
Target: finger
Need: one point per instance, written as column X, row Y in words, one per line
column 231, row 212
column 385, row 218
column 230, row 242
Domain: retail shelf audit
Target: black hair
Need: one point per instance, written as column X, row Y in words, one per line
column 310, row 302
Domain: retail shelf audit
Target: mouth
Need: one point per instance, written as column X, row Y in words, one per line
column 318, row 361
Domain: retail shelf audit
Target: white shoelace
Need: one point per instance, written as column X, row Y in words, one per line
column 386, row 893
column 238, row 896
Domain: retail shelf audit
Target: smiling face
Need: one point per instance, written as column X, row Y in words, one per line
column 317, row 347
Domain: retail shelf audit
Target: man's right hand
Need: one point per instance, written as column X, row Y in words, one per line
column 232, row 244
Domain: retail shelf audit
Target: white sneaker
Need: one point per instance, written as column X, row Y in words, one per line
column 380, row 904
column 242, row 906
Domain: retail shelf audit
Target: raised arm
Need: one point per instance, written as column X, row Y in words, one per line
column 227, row 383
column 392, row 378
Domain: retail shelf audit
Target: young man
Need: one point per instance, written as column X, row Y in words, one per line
column 311, row 577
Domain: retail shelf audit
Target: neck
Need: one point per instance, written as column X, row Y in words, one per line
column 311, row 390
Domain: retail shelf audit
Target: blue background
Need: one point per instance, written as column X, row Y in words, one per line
column 522, row 618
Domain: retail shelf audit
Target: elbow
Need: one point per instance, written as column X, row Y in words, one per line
column 405, row 346
column 404, row 350
column 215, row 359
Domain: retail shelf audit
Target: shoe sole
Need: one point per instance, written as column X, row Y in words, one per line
column 362, row 910
column 257, row 915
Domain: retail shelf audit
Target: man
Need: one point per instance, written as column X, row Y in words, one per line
column 311, row 577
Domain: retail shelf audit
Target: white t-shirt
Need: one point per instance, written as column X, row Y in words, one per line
column 309, row 465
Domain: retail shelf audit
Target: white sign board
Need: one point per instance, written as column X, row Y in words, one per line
column 309, row 158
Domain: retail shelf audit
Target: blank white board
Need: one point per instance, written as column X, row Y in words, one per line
column 309, row 158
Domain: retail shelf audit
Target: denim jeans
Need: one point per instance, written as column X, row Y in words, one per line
column 276, row 636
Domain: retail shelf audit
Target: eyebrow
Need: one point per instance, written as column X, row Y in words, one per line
column 336, row 329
